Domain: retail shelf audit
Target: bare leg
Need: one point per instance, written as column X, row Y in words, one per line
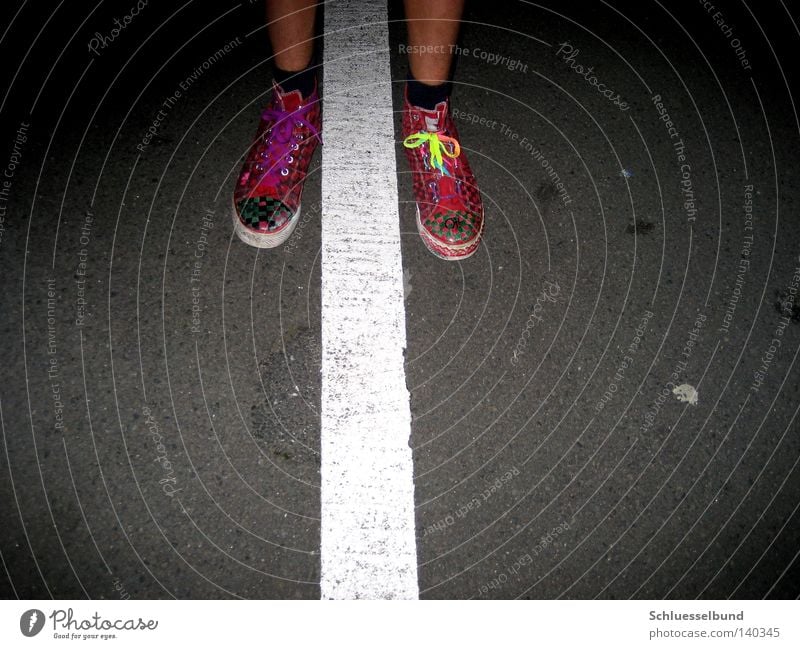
column 432, row 23
column 290, row 24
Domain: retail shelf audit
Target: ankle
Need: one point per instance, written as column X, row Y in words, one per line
column 426, row 96
column 304, row 80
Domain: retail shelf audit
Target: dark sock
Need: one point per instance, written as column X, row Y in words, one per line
column 424, row 96
column 303, row 80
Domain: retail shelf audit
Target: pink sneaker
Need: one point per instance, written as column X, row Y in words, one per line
column 266, row 201
column 449, row 206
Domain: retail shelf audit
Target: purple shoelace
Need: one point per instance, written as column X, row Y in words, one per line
column 281, row 134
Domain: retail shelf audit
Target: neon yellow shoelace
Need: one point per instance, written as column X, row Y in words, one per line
column 435, row 142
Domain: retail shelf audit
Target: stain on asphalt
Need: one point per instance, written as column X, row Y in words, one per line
column 286, row 423
column 641, row 226
column 546, row 192
column 786, row 306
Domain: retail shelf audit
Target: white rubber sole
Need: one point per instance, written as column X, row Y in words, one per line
column 263, row 239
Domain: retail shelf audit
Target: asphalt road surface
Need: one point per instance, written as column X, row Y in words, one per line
column 604, row 398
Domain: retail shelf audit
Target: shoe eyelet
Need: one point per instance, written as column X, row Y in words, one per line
column 298, row 124
column 299, row 137
column 290, row 159
column 295, row 146
column 284, row 171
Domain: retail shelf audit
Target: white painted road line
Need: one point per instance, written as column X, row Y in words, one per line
column 368, row 541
